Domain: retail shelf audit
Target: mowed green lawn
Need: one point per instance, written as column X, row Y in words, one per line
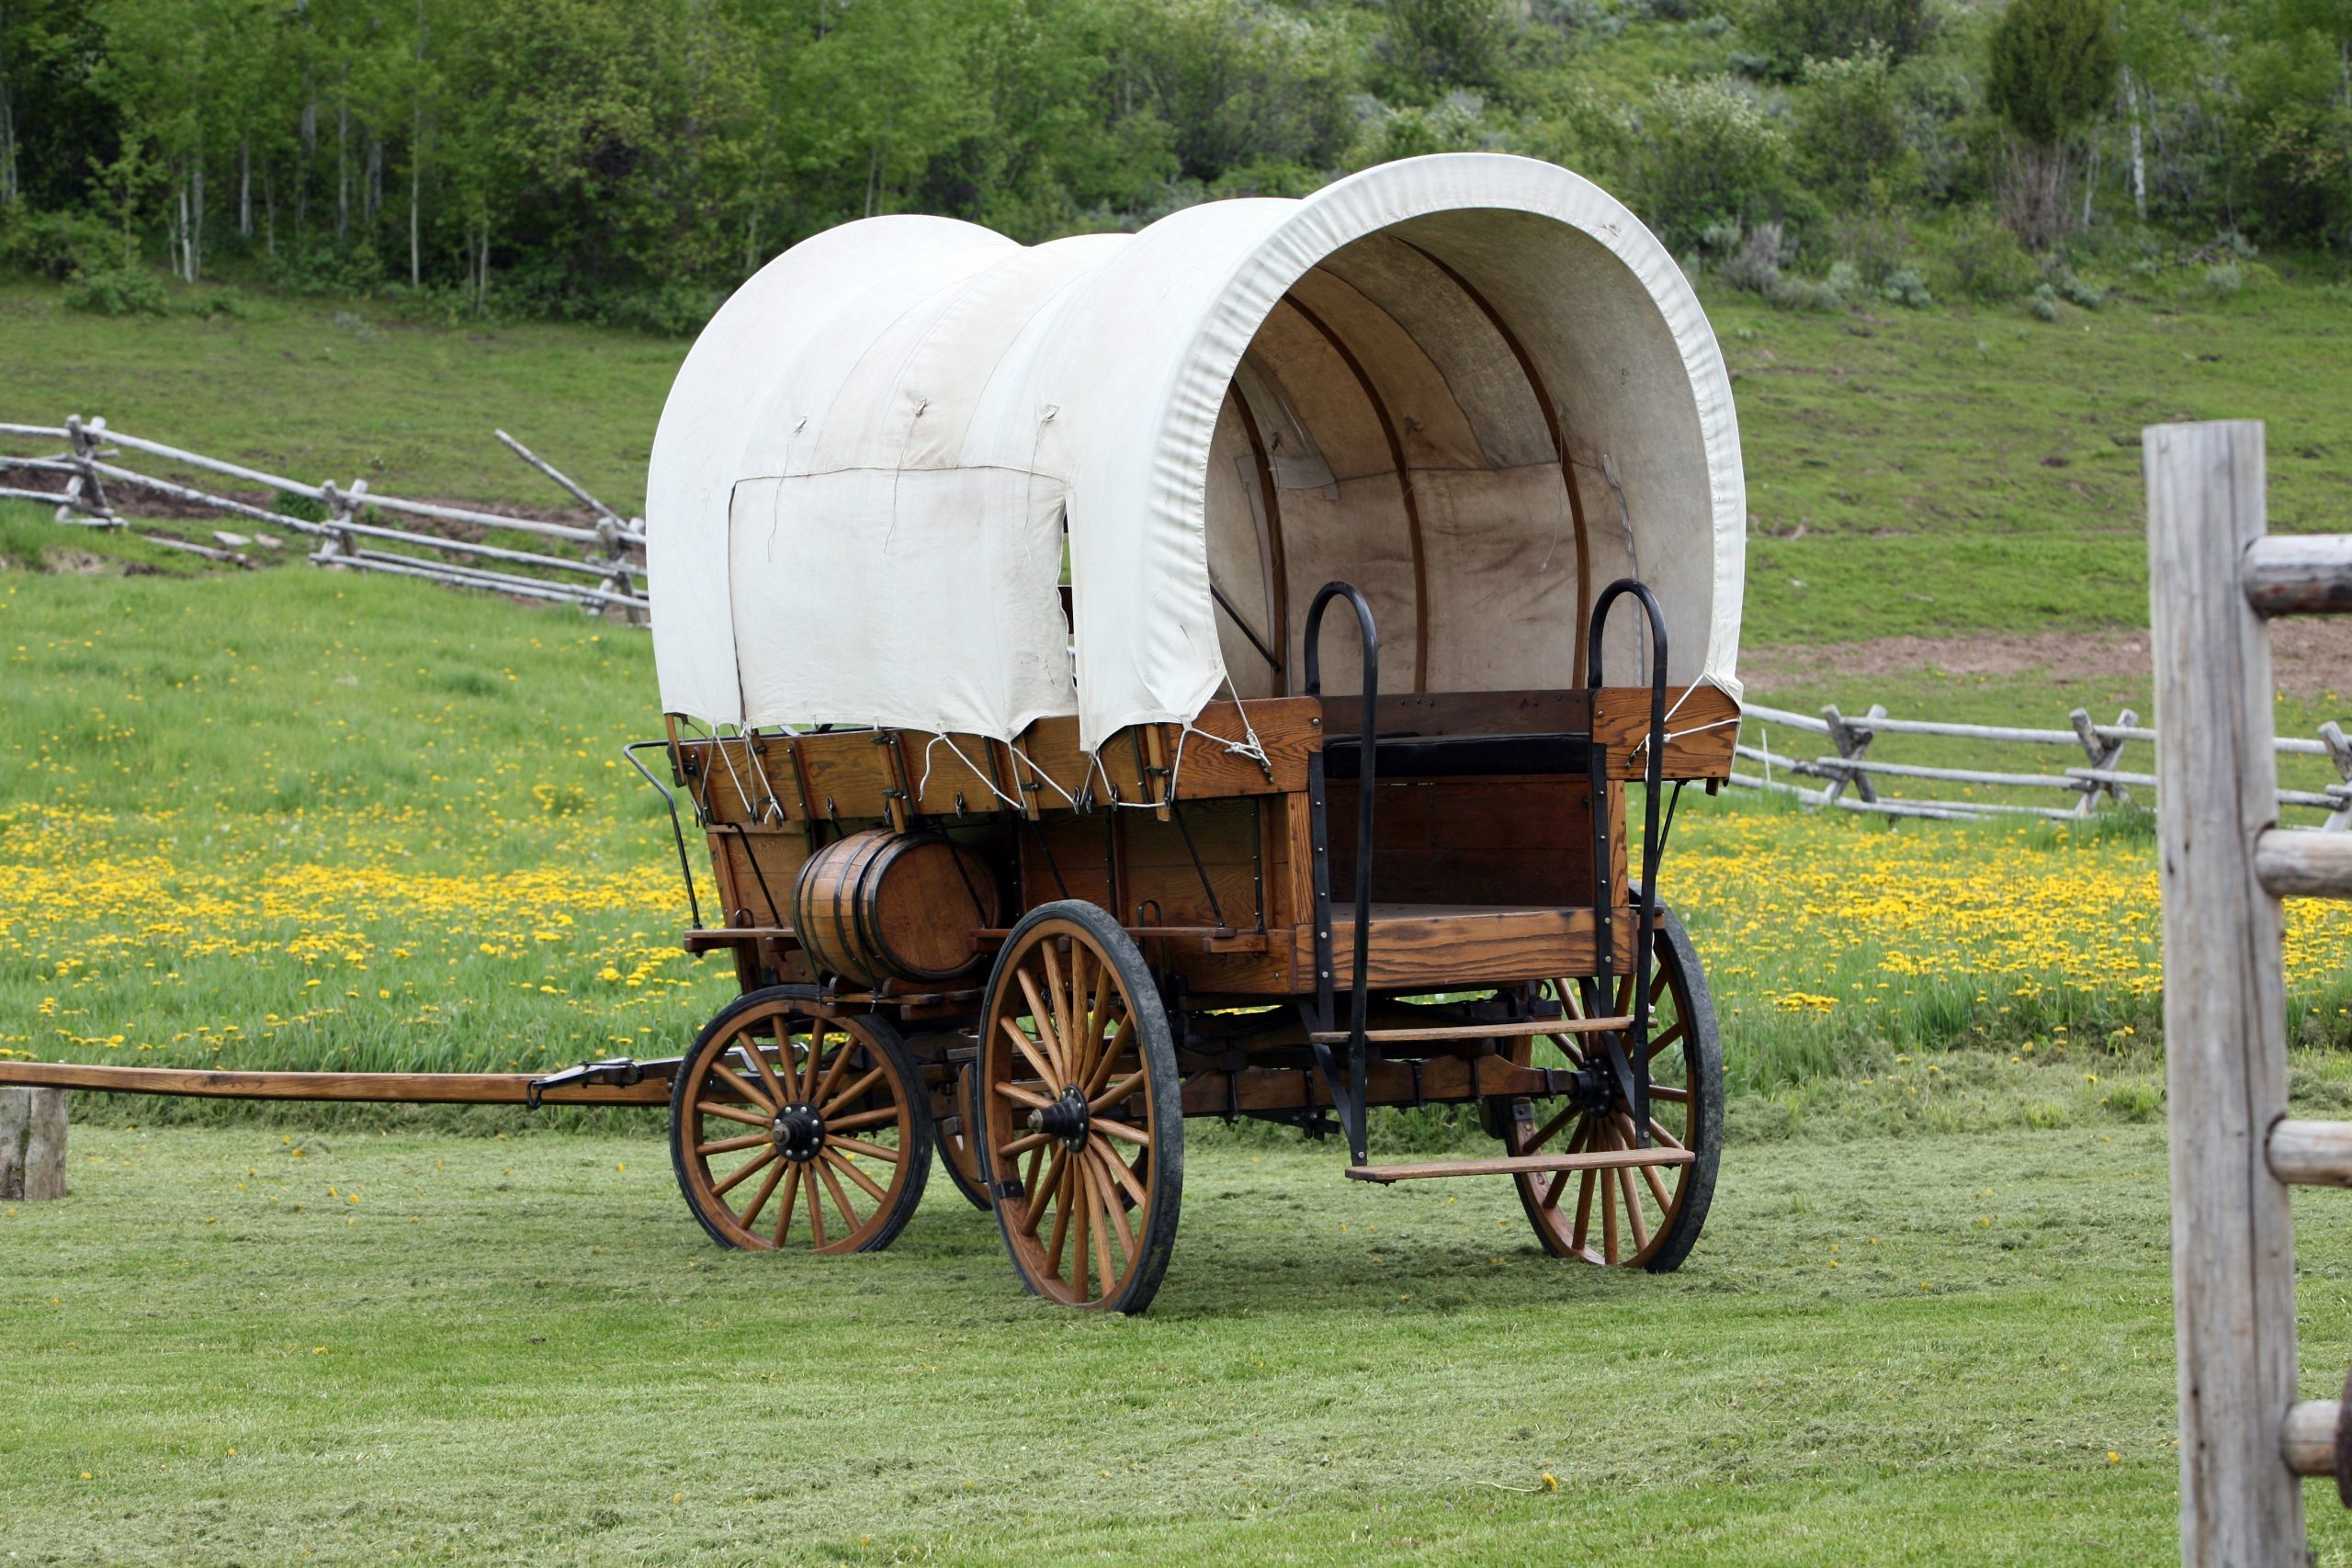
column 1917, row 1350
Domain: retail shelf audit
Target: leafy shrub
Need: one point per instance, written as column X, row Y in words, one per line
column 1753, row 263
column 1454, row 125
column 1793, row 32
column 54, row 245
column 1984, row 258
column 115, row 291
column 1848, row 133
column 2044, row 304
column 1710, row 155
column 2073, row 291
column 1907, row 288
column 2223, row 280
column 323, row 266
column 1804, row 294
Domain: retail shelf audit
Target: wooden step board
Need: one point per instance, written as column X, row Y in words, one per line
column 1501, row 1030
column 1518, row 1165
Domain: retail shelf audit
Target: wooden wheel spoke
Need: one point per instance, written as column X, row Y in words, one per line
column 1060, row 1185
column 1121, row 1131
column 727, row 1145
column 760, row 1198
column 859, row 1145
column 1111, row 1053
column 1023, row 1144
column 1117, row 1093
column 1669, row 1092
column 848, row 1167
column 1030, row 1049
column 1658, row 1191
column 721, row 1070
column 748, row 1044
column 1082, row 1201
column 720, row 1190
column 729, row 1113
column 1112, row 1207
column 849, row 1095
column 1608, row 1219
column 1065, row 1028
column 862, row 1118
column 1560, row 1179
column 815, row 1213
column 1550, row 1130
column 1633, row 1215
column 1020, row 1096
column 820, row 1090
column 791, row 1192
column 1122, row 1172
column 1049, row 1065
column 1096, row 1204
column 1039, row 1193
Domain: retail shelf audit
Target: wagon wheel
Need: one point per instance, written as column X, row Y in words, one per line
column 1077, row 1069
column 796, row 1132
column 956, row 1159
column 1648, row 1215
column 955, row 1145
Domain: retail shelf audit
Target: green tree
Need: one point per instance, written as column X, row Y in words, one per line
column 1849, row 136
column 1709, row 156
column 2051, row 68
column 1431, row 47
column 1793, row 31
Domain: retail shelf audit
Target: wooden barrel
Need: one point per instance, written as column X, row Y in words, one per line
column 879, row 906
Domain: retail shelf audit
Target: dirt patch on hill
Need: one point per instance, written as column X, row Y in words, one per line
column 2310, row 658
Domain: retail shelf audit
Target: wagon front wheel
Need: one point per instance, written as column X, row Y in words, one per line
column 1076, row 1080
column 1646, row 1216
column 796, row 1132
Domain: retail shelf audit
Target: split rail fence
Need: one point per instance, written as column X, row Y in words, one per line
column 1853, row 780
column 604, row 571
column 2216, row 578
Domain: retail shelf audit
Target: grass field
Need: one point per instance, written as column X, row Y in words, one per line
column 1985, row 462
column 389, row 1347
column 282, row 818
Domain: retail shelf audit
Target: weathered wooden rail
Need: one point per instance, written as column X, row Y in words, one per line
column 2214, row 579
column 613, row 548
column 2098, row 778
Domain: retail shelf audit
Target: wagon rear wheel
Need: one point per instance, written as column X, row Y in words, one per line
column 1077, row 1079
column 1646, row 1216
column 789, row 1130
column 956, row 1156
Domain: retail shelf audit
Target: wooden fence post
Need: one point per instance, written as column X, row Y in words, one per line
column 2339, row 752
column 2224, row 999
column 32, row 1145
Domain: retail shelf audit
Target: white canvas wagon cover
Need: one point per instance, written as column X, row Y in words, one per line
column 1473, row 385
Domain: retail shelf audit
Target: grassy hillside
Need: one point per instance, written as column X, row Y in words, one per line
column 1944, row 470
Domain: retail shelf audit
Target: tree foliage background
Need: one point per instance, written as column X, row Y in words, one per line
column 628, row 159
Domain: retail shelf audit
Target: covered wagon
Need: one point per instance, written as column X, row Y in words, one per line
column 991, row 586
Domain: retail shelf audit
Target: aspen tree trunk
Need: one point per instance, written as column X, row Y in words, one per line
column 245, row 188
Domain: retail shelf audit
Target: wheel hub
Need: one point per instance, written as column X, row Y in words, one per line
column 799, row 1131
column 1066, row 1119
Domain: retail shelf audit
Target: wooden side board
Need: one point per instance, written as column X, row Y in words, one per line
column 859, row 775
column 1431, row 945
column 1703, row 722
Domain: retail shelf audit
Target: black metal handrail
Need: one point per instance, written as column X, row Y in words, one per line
column 1635, row 1073
column 693, row 904
column 1351, row 1103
